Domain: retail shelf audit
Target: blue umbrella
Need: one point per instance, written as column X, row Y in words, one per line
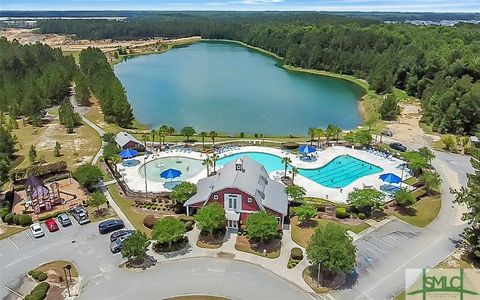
column 170, row 173
column 390, row 178
column 306, row 149
column 128, row 153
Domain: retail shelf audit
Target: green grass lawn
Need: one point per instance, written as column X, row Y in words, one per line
column 126, row 207
column 10, row 230
column 411, row 181
column 302, row 236
column 421, row 213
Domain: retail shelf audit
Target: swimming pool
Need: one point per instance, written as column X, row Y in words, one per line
column 338, row 173
column 188, row 166
column 341, row 171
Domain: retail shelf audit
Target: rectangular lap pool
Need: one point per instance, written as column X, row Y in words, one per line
column 340, row 172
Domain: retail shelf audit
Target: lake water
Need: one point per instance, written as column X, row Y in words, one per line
column 230, row 88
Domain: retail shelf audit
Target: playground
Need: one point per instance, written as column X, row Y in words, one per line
column 48, row 198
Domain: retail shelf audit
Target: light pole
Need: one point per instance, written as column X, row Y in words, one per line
column 65, row 268
column 263, row 134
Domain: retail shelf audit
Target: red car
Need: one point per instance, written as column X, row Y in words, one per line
column 51, row 225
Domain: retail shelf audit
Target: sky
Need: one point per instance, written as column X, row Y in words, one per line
column 310, row 5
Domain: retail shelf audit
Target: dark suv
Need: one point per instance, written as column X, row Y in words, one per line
column 398, row 146
column 110, row 225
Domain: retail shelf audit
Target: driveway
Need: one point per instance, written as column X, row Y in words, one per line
column 103, row 279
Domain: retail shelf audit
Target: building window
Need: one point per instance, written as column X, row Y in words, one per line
column 238, row 167
column 215, row 197
column 249, row 200
column 279, row 220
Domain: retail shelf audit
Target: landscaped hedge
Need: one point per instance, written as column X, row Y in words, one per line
column 39, row 292
column 361, row 216
column 56, row 214
column 3, row 213
column 25, row 220
column 296, row 253
column 38, row 170
column 38, row 275
column 45, row 217
column 9, row 219
column 341, row 212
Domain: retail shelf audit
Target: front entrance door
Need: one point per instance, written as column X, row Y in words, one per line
column 232, row 224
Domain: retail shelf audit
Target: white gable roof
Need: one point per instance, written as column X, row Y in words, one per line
column 252, row 179
column 122, row 138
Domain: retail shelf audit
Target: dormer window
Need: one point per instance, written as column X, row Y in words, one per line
column 239, row 165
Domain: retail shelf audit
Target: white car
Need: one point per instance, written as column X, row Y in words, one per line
column 37, row 231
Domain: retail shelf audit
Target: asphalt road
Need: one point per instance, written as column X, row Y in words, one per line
column 385, row 254
column 103, row 279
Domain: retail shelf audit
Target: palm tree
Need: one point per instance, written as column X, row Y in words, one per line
column 214, row 160
column 329, row 132
column 213, row 134
column 115, row 159
column 432, row 181
column 336, row 131
column 294, row 172
column 208, row 163
column 319, row 132
column 311, row 134
column 286, row 161
column 153, row 132
column 164, row 130
column 203, row 134
column 145, row 138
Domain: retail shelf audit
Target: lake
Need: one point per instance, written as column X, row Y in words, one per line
column 230, row 88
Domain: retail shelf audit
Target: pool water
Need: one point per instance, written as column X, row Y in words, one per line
column 188, row 166
column 340, row 172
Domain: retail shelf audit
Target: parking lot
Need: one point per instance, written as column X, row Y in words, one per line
column 379, row 245
column 81, row 244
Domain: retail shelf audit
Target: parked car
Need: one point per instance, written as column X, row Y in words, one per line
column 80, row 214
column 120, row 233
column 51, row 225
column 36, row 230
column 110, row 225
column 387, row 133
column 398, row 146
column 64, row 219
column 116, row 245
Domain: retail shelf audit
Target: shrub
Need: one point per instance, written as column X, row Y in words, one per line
column 9, row 219
column 56, row 214
column 149, row 221
column 39, row 292
column 42, row 276
column 341, row 212
column 296, row 254
column 38, row 170
column 45, row 217
column 25, row 220
column 16, row 219
column 3, row 212
column 189, row 225
column 361, row 216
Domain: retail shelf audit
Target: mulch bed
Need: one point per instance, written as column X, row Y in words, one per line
column 176, row 246
column 205, row 240
column 258, row 246
column 148, row 262
column 329, row 282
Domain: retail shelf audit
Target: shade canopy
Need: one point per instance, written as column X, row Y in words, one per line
column 306, row 149
column 128, row 153
column 390, row 178
column 170, row 173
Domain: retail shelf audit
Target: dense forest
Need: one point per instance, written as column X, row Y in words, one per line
column 439, row 65
column 32, row 77
column 102, row 81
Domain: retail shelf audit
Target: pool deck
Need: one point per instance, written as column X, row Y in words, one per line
column 136, row 182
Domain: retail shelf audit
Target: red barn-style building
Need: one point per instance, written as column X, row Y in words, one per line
column 241, row 187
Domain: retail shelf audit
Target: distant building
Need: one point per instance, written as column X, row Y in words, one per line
column 125, row 140
column 241, row 187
